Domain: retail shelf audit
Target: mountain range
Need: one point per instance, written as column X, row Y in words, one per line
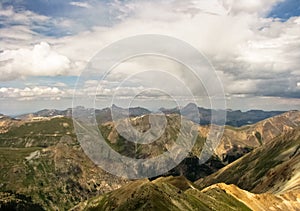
column 234, row 118
column 254, row 167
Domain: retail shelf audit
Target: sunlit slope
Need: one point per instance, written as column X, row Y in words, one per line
column 163, row 194
column 273, row 167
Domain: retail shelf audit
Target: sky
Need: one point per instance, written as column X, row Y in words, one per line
column 46, row 46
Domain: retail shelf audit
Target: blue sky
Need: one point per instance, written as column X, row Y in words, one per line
column 46, row 44
column 286, row 9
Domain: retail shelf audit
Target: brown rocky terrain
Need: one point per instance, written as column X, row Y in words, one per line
column 253, row 136
column 261, row 202
column 41, row 158
column 273, row 167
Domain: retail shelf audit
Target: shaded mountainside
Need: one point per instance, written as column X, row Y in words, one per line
column 13, row 201
column 160, row 144
column 234, row 143
column 189, row 167
column 273, row 167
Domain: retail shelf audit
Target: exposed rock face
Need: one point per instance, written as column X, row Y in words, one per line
column 7, row 122
column 273, row 167
column 260, row 202
column 235, row 142
column 246, row 138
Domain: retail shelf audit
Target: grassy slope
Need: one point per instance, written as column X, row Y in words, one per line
column 171, row 193
column 43, row 160
column 60, row 173
column 38, row 133
column 267, row 168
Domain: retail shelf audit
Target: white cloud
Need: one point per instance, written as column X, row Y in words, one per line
column 210, row 29
column 253, row 6
column 41, row 60
column 31, row 93
column 16, row 33
column 60, row 84
column 249, row 50
column 25, row 17
column 80, row 4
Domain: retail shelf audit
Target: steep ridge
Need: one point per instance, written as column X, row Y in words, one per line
column 160, row 142
column 273, row 167
column 171, row 193
column 40, row 157
column 236, row 142
column 177, row 193
column 260, row 202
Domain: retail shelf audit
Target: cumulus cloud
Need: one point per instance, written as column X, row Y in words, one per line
column 41, row 60
column 249, row 50
column 202, row 29
column 254, row 55
column 31, row 93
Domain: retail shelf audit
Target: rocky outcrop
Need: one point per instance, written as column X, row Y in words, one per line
column 273, row 167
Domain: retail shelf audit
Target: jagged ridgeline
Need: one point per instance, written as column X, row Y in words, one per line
column 158, row 145
column 43, row 166
column 270, row 171
column 163, row 194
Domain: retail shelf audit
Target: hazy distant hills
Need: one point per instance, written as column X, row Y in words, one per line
column 47, row 113
column 43, row 165
column 234, row 118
